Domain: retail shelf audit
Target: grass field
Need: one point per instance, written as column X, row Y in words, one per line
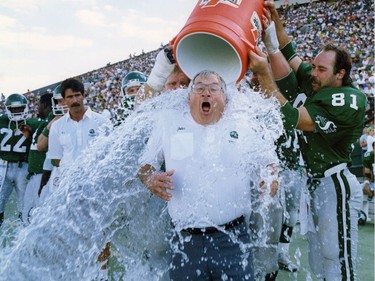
column 365, row 265
column 298, row 248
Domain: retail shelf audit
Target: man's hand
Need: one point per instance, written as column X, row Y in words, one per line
column 274, row 187
column 270, row 6
column 26, row 131
column 258, row 62
column 159, row 182
column 366, row 189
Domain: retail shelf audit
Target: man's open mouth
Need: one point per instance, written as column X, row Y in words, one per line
column 206, row 106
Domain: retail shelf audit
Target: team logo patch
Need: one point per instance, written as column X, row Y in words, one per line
column 257, row 27
column 56, row 181
column 325, row 125
column 214, row 3
column 92, row 133
column 233, row 135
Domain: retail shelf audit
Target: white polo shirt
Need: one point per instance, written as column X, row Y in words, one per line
column 68, row 138
column 213, row 166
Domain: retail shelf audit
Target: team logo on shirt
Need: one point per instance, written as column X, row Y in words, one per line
column 233, row 135
column 56, row 181
column 214, row 3
column 92, row 133
column 180, row 129
column 325, row 125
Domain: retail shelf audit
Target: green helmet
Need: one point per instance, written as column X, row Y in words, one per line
column 56, row 108
column 132, row 79
column 17, row 107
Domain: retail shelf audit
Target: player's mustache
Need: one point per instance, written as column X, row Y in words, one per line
column 314, row 80
column 75, row 104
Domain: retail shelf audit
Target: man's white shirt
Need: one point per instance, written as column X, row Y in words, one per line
column 211, row 178
column 68, row 138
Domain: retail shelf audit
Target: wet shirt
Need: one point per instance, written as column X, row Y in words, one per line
column 211, row 178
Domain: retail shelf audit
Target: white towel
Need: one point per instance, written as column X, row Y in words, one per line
column 3, row 172
column 305, row 214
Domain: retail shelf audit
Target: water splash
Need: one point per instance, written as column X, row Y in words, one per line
column 100, row 199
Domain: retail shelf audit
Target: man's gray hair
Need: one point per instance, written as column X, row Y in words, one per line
column 206, row 73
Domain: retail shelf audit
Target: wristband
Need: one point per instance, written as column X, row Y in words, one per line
column 288, row 52
column 160, row 72
column 291, row 116
column 45, row 132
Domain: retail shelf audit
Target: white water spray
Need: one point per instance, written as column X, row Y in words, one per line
column 100, row 199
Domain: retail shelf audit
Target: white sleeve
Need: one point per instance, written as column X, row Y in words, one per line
column 47, row 165
column 55, row 150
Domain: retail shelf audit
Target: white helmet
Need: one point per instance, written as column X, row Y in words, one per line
column 17, row 101
column 56, row 108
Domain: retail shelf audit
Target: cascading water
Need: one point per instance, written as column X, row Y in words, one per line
column 100, row 199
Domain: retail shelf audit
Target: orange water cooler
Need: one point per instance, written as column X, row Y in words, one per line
column 218, row 36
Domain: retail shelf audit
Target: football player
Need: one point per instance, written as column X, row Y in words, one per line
column 36, row 158
column 130, row 85
column 16, row 129
column 59, row 108
column 331, row 119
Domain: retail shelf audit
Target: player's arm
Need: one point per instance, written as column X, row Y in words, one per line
column 293, row 117
column 283, row 38
column 42, row 144
column 163, row 67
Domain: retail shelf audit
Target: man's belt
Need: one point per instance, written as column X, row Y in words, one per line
column 212, row 229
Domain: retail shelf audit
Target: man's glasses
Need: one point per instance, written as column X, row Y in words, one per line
column 213, row 88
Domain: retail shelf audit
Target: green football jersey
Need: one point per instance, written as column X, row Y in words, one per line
column 338, row 114
column 14, row 146
column 36, row 158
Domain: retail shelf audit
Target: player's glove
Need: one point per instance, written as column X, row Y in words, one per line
column 164, row 65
